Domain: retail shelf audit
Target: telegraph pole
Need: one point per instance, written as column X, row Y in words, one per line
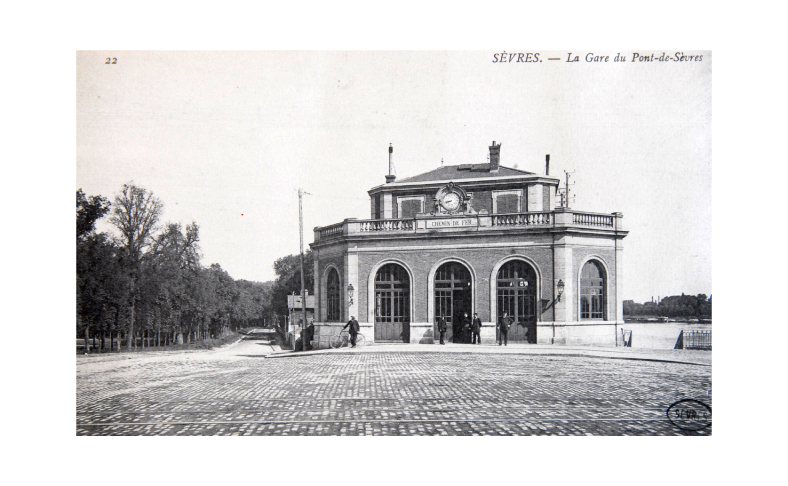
column 303, row 288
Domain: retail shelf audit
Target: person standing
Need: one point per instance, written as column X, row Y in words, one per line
column 441, row 328
column 503, row 329
column 352, row 324
column 466, row 328
column 476, row 327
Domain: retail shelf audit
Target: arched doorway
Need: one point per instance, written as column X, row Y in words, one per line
column 392, row 304
column 516, row 283
column 453, row 299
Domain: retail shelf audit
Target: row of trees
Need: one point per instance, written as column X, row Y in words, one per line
column 147, row 283
column 698, row 306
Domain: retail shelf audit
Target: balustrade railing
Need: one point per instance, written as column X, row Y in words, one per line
column 555, row 219
column 387, row 225
column 522, row 219
column 329, row 231
column 588, row 219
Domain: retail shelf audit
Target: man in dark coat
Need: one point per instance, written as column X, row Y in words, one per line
column 352, row 324
column 476, row 327
column 503, row 329
column 441, row 328
column 466, row 328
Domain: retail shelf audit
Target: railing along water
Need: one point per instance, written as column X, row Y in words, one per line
column 697, row 340
column 522, row 219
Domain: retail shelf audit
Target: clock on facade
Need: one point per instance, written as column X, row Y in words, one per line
column 451, row 201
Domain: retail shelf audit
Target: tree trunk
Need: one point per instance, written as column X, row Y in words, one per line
column 131, row 320
column 87, row 340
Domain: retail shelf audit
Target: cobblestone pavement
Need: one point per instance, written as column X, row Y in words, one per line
column 237, row 391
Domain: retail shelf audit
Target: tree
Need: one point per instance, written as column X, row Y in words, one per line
column 135, row 215
column 89, row 210
column 288, row 279
column 100, row 285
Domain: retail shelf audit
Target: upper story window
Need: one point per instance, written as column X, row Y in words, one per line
column 510, row 201
column 409, row 206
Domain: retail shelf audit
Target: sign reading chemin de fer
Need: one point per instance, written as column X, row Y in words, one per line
column 450, row 223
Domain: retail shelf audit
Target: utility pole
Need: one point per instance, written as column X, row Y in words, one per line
column 303, row 288
column 565, row 199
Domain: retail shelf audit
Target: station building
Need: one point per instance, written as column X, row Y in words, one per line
column 473, row 238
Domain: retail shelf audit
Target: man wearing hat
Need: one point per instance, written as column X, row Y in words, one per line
column 441, row 328
column 476, row 327
column 353, row 331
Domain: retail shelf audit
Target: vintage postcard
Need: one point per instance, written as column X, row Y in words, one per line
column 394, row 243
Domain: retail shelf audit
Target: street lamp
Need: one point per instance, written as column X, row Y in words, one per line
column 560, row 286
column 350, row 293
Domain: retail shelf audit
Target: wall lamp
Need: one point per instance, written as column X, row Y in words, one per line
column 350, row 290
column 560, row 286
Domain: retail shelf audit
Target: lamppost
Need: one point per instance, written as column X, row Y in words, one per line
column 350, row 290
column 560, row 287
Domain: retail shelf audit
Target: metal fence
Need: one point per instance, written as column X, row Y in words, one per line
column 697, row 340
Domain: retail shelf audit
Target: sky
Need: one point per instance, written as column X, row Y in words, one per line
column 226, row 139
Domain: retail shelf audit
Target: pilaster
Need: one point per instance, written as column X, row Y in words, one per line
column 535, row 197
column 564, row 309
column 351, row 278
column 387, row 205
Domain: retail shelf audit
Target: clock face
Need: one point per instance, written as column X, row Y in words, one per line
column 451, row 201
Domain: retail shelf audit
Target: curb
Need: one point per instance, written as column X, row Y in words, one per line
column 293, row 354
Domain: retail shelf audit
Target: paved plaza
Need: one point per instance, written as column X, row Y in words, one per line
column 250, row 389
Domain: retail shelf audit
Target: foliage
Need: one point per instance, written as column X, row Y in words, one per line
column 89, row 210
column 288, row 279
column 675, row 306
column 154, row 281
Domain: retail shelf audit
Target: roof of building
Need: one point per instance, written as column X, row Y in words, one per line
column 465, row 171
column 294, row 302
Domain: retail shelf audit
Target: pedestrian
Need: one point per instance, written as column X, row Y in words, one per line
column 352, row 324
column 441, row 328
column 466, row 328
column 503, row 329
column 476, row 327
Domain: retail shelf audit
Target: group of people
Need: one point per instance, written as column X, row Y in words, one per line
column 473, row 327
column 467, row 326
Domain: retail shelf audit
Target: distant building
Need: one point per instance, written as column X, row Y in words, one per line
column 295, row 308
column 472, row 238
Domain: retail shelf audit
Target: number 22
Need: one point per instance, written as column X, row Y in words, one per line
column 113, row 59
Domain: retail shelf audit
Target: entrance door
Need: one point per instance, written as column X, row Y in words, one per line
column 392, row 304
column 517, row 297
column 453, row 299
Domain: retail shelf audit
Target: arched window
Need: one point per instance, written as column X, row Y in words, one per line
column 592, row 291
column 333, row 292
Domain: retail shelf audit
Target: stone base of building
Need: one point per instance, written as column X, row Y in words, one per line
column 600, row 333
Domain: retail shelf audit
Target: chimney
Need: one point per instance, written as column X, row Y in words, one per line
column 547, row 164
column 390, row 178
column 495, row 157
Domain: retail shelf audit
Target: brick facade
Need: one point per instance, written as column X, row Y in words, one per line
column 554, row 242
